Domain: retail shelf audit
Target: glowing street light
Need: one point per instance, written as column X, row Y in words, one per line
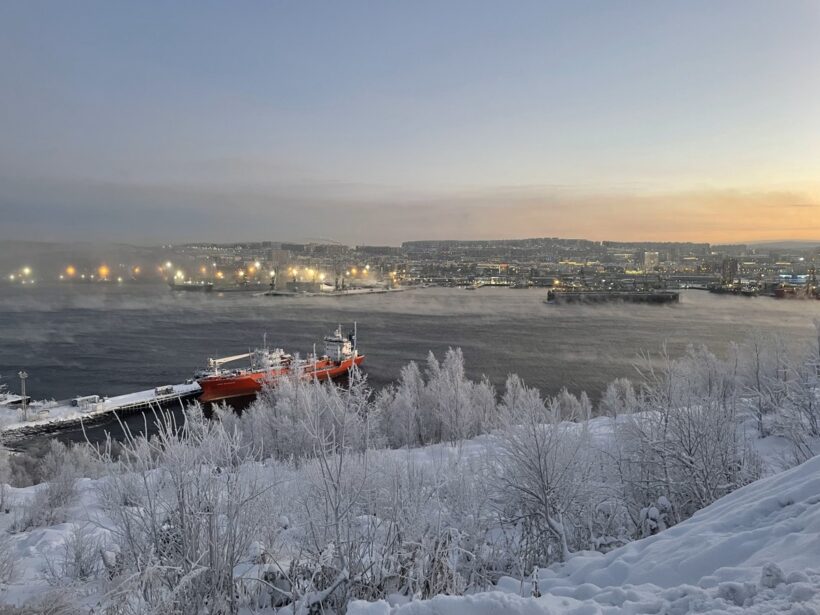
column 26, row 271
column 70, row 271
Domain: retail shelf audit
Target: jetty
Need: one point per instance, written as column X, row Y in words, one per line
column 50, row 417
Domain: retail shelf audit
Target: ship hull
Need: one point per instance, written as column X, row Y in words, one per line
column 219, row 388
column 197, row 288
column 654, row 297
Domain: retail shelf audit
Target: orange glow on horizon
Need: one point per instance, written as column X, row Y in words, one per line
column 709, row 216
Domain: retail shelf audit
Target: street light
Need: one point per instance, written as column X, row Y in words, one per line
column 23, row 375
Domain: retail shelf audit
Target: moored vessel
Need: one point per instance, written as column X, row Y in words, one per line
column 267, row 366
column 605, row 296
column 190, row 285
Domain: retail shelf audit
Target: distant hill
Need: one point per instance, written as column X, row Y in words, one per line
column 787, row 244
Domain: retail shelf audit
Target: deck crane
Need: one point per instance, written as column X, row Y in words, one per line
column 216, row 363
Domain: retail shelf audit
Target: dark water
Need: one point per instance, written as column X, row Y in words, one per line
column 117, row 339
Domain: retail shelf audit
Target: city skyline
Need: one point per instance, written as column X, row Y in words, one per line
column 385, row 123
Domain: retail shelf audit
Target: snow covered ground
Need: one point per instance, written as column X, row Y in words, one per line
column 756, row 550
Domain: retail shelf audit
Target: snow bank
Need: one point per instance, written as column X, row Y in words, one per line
column 490, row 603
column 775, row 519
column 757, row 550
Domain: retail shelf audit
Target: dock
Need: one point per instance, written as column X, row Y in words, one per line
column 51, row 417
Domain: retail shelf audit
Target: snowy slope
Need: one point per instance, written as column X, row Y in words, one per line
column 756, row 550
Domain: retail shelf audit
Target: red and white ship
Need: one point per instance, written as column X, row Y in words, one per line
column 269, row 365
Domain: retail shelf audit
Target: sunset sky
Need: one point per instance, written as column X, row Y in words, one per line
column 378, row 122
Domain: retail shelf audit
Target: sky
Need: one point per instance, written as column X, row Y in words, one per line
column 381, row 122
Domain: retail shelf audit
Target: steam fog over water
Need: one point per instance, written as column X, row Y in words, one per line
column 117, row 339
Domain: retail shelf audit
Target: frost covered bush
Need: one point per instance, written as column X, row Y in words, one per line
column 78, row 559
column 185, row 507
column 686, row 446
column 7, row 567
column 542, row 467
column 277, row 424
column 54, row 602
column 49, row 503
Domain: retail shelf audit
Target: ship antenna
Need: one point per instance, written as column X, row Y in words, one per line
column 355, row 337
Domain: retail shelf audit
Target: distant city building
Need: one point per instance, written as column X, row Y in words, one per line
column 278, row 257
column 651, row 261
column 729, row 270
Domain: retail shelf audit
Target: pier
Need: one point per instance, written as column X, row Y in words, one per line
column 89, row 410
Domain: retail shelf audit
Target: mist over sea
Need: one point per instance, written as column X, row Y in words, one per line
column 113, row 339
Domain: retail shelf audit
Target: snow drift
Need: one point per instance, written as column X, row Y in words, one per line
column 756, row 550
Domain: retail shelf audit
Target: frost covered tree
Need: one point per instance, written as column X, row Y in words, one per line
column 541, row 468
column 799, row 416
column 619, row 398
column 441, row 404
column 687, row 445
column 763, row 375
